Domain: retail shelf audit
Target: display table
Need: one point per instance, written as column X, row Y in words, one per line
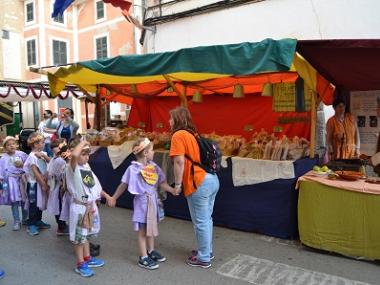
column 339, row 220
column 269, row 208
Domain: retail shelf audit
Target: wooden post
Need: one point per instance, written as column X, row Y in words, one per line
column 98, row 108
column 86, row 109
column 313, row 124
column 181, row 96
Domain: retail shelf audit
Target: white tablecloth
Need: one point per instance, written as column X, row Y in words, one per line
column 118, row 153
column 248, row 171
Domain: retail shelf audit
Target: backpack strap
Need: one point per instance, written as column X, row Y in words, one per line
column 192, row 171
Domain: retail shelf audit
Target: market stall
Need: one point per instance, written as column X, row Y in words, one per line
column 335, row 214
column 257, row 99
column 340, row 216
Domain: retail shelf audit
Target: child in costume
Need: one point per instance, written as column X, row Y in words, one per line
column 65, row 153
column 84, row 220
column 56, row 170
column 37, row 189
column 13, row 180
column 142, row 178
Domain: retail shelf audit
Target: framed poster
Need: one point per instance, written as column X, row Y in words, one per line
column 364, row 108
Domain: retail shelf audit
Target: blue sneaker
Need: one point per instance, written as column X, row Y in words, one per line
column 148, row 263
column 41, row 225
column 156, row 256
column 32, row 230
column 95, row 262
column 84, row 270
column 2, row 273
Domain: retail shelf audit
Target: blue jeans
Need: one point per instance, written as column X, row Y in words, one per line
column 16, row 212
column 201, row 205
column 35, row 214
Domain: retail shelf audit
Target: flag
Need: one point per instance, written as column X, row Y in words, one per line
column 123, row 5
column 60, row 6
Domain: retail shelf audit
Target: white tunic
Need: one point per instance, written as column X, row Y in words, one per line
column 85, row 190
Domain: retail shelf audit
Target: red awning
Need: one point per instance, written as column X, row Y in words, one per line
column 348, row 64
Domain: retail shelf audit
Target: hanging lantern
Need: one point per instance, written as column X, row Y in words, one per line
column 197, row 97
column 238, row 91
column 133, row 88
column 267, row 90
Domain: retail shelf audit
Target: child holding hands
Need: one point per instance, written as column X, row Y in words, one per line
column 84, row 220
column 142, row 178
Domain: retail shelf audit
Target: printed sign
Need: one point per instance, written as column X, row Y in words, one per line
column 364, row 107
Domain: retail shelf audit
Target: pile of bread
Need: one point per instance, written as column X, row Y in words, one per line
column 112, row 136
column 262, row 145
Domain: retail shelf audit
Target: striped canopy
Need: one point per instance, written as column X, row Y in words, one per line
column 208, row 69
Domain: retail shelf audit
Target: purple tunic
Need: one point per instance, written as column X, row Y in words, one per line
column 13, row 176
column 138, row 187
column 56, row 169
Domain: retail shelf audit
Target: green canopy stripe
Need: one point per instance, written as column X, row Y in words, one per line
column 235, row 59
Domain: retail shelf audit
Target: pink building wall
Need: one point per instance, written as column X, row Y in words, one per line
column 80, row 34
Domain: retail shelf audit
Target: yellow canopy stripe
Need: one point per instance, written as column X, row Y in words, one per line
column 88, row 79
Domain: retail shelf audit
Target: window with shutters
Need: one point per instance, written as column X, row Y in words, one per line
column 31, row 52
column 101, row 47
column 100, row 10
column 59, row 52
column 29, row 12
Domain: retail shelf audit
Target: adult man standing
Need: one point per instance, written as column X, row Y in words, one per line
column 47, row 128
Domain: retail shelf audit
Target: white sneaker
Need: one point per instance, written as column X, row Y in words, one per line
column 16, row 226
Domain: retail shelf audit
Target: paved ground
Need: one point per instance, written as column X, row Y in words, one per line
column 241, row 258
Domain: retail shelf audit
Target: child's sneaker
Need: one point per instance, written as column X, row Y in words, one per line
column 83, row 270
column 2, row 273
column 156, row 256
column 32, row 230
column 194, row 261
column 16, row 226
column 147, row 263
column 2, row 223
column 62, row 232
column 95, row 262
column 195, row 253
column 41, row 225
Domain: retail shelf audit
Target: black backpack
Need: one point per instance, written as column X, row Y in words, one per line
column 210, row 155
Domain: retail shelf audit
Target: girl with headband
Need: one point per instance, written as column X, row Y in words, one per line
column 142, row 178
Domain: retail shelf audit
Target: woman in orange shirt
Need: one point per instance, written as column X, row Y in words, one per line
column 199, row 187
column 343, row 140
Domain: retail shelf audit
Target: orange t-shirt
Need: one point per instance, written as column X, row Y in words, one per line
column 183, row 143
